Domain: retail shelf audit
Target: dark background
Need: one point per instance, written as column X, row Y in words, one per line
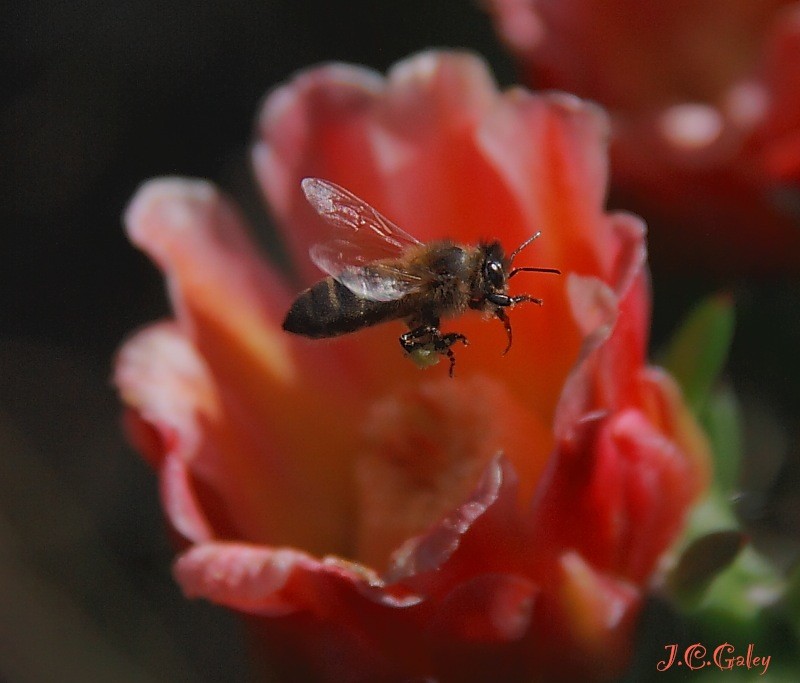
column 96, row 98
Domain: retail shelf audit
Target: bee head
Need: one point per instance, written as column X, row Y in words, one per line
column 496, row 271
column 494, row 268
column 490, row 291
column 491, row 282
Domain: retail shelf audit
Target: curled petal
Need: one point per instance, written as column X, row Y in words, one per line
column 594, row 305
column 573, row 135
column 327, row 620
column 169, row 392
column 423, row 555
column 163, row 379
column 276, row 581
column 665, row 407
column 613, row 318
column 649, row 484
column 622, row 493
column 197, row 239
column 463, row 537
column 229, row 305
column 427, row 446
column 191, row 516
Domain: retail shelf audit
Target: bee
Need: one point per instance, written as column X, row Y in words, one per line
column 378, row 273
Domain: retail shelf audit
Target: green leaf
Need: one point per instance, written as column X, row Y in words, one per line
column 739, row 582
column 702, row 561
column 737, row 601
column 792, row 599
column 698, row 350
column 712, row 513
column 732, row 602
column 721, row 419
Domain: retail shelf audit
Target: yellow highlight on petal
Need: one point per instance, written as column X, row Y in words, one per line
column 594, row 610
column 269, row 349
column 239, row 330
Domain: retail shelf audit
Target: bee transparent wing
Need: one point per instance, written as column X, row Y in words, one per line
column 363, row 239
column 342, row 209
column 363, row 276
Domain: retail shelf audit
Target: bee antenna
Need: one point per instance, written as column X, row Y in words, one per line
column 528, row 269
column 523, row 245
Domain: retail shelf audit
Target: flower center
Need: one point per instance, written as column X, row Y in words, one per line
column 425, row 448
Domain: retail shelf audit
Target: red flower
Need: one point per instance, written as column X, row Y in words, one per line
column 705, row 96
column 378, row 522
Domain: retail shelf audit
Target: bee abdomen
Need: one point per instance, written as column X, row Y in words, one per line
column 329, row 309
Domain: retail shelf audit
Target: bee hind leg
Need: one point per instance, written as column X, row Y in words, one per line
column 429, row 338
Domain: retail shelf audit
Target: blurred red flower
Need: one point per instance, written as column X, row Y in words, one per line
column 373, row 521
column 705, row 100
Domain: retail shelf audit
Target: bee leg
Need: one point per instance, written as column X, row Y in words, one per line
column 419, row 343
column 504, row 300
column 419, row 336
column 452, row 358
column 503, row 318
column 523, row 298
column 430, row 337
column 447, row 340
column 442, row 344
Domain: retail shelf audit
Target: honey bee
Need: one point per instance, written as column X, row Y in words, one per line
column 377, row 273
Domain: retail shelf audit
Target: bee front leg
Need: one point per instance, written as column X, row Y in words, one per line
column 421, row 341
column 503, row 318
column 503, row 301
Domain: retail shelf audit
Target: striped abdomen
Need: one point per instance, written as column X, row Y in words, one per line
column 329, row 309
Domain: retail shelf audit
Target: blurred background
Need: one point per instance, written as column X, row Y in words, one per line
column 98, row 97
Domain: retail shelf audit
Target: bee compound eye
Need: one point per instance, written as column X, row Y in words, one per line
column 494, row 273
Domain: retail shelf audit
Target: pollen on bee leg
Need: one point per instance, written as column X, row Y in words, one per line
column 425, row 448
column 424, row 356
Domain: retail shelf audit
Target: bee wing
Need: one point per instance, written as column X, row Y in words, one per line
column 364, row 238
column 343, row 210
column 344, row 261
